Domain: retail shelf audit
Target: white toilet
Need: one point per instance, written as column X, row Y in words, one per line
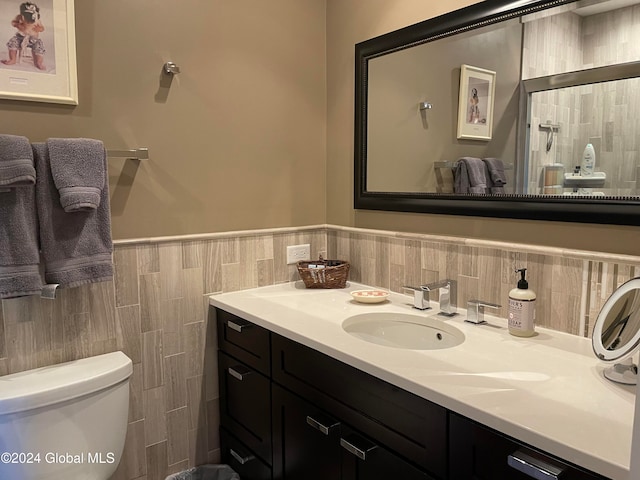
column 66, row 421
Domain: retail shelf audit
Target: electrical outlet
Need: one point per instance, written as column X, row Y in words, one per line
column 297, row 253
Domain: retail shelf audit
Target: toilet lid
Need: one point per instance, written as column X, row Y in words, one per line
column 58, row 383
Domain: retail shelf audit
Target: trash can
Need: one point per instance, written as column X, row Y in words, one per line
column 206, row 472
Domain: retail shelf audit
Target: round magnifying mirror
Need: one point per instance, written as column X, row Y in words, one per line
column 616, row 334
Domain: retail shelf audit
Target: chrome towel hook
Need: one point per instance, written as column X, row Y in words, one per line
column 171, row 68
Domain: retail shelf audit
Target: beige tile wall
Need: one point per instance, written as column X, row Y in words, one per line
column 155, row 311
column 571, row 285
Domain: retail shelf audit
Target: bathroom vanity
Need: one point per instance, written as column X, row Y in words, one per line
column 300, row 397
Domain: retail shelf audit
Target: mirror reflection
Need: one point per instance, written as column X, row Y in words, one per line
column 622, row 323
column 577, row 140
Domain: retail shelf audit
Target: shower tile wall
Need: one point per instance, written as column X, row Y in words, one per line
column 156, row 311
column 601, row 114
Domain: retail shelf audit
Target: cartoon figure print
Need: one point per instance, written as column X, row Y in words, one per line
column 29, row 27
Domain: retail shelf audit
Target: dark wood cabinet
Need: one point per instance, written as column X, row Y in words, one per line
column 245, row 404
column 290, row 412
column 479, row 453
column 235, row 454
column 306, row 439
column 403, row 422
column 309, row 444
column 364, row 459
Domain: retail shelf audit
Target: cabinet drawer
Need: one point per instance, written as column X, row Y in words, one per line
column 400, row 420
column 241, row 459
column 244, row 340
column 245, row 404
column 479, row 453
column 364, row 459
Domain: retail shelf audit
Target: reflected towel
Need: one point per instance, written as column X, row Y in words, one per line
column 77, row 249
column 16, row 163
column 470, row 176
column 79, row 172
column 496, row 175
column 19, row 255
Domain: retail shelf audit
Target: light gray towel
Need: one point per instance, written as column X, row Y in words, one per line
column 16, row 162
column 470, row 176
column 77, row 248
column 19, row 255
column 79, row 172
column 496, row 176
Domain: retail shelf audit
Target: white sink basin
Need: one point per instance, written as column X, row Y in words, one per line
column 402, row 330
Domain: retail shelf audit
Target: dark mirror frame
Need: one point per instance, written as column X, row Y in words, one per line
column 604, row 210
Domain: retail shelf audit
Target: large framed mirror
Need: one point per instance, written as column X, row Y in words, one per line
column 518, row 109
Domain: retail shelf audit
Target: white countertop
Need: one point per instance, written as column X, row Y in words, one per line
column 547, row 391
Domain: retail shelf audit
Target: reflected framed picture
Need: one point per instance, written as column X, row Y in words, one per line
column 475, row 103
column 38, row 51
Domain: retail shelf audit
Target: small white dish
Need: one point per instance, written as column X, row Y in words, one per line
column 369, row 296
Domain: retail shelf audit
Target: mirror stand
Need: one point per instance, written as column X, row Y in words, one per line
column 616, row 333
column 625, row 372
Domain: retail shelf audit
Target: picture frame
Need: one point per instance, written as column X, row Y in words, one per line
column 475, row 103
column 38, row 51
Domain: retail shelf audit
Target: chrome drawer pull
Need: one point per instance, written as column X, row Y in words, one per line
column 236, row 326
column 239, row 373
column 534, row 467
column 361, row 453
column 240, row 459
column 318, row 425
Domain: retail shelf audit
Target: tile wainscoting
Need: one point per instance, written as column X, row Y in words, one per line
column 155, row 311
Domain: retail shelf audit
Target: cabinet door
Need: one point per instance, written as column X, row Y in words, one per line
column 235, row 454
column 245, row 408
column 478, row 453
column 306, row 441
column 362, row 459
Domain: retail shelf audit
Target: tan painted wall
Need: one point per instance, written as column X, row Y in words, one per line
column 352, row 21
column 238, row 139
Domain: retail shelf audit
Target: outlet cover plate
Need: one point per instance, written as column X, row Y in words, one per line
column 297, row 253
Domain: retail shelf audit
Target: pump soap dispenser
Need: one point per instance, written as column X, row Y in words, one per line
column 522, row 308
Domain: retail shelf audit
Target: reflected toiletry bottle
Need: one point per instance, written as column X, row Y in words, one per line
column 522, row 308
column 587, row 167
column 588, row 161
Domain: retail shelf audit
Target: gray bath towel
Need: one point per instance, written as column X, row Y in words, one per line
column 470, row 176
column 79, row 172
column 19, row 255
column 76, row 248
column 16, row 162
column 497, row 178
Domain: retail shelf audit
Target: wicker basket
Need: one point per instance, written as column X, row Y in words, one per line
column 324, row 273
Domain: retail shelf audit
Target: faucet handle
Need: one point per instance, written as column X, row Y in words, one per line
column 420, row 297
column 475, row 310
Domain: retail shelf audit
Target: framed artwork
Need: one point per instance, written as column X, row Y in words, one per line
column 38, row 51
column 475, row 104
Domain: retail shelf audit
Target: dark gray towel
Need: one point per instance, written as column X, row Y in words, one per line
column 470, row 176
column 16, row 162
column 76, row 248
column 79, row 172
column 19, row 256
column 496, row 174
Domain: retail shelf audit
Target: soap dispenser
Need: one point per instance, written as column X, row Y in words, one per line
column 522, row 308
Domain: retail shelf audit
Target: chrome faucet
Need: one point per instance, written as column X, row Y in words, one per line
column 420, row 298
column 446, row 299
column 475, row 310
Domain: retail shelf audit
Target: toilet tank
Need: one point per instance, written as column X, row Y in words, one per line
column 65, row 421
